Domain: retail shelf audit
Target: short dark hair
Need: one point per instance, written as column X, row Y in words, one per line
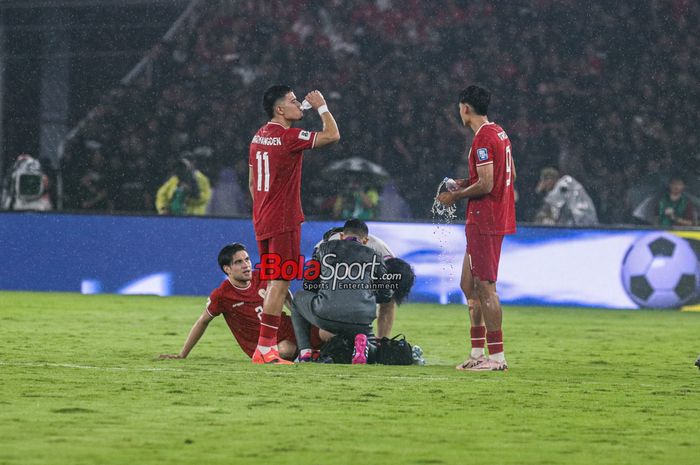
column 676, row 177
column 356, row 227
column 477, row 97
column 405, row 283
column 272, row 95
column 226, row 254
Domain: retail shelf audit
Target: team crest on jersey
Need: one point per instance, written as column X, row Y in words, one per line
column 262, row 292
column 482, row 154
column 304, row 135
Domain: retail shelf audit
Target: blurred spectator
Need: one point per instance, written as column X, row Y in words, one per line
column 391, row 205
column 93, row 192
column 26, row 187
column 566, row 202
column 356, row 201
column 562, row 75
column 227, row 197
column 674, row 206
column 186, row 192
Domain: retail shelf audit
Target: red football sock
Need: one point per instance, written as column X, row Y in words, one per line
column 494, row 339
column 478, row 335
column 268, row 330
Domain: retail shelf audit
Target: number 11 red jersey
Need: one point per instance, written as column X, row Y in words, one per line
column 276, row 158
column 493, row 213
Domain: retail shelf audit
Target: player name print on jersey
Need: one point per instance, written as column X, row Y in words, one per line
column 275, row 161
column 268, row 140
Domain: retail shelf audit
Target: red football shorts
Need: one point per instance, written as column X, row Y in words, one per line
column 484, row 253
column 286, row 245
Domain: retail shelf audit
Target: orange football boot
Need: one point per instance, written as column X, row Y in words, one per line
column 271, row 357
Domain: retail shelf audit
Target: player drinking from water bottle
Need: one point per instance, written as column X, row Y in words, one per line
column 274, row 174
column 490, row 215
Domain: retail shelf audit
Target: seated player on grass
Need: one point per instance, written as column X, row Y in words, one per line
column 240, row 300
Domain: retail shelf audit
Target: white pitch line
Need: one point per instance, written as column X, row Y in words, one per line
column 82, row 367
column 180, row 370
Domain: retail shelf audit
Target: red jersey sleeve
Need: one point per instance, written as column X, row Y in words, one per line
column 484, row 149
column 214, row 304
column 296, row 140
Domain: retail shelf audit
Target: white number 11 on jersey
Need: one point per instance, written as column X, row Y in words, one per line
column 263, row 171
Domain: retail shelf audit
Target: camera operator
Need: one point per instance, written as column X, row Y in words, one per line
column 356, row 201
column 186, row 192
column 26, row 187
column 566, row 202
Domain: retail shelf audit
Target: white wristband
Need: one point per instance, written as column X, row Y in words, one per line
column 322, row 109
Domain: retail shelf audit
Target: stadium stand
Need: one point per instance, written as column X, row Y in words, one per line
column 605, row 91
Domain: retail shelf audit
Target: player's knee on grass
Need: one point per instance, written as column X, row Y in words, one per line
column 287, row 349
column 324, row 335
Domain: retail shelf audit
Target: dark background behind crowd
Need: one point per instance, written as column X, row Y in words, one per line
column 606, row 92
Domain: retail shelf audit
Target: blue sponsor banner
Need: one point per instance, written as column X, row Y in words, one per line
column 176, row 255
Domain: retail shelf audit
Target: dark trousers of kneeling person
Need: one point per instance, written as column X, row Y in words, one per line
column 313, row 309
column 342, row 304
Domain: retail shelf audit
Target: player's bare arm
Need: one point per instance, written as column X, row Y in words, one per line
column 386, row 313
column 193, row 337
column 482, row 186
column 329, row 134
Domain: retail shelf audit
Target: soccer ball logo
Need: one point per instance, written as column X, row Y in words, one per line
column 660, row 270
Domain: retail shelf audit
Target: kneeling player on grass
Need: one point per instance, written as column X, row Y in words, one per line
column 343, row 300
column 386, row 311
column 240, row 299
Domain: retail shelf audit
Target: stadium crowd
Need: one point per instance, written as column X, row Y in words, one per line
column 605, row 92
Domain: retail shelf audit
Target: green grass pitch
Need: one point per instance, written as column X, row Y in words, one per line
column 79, row 384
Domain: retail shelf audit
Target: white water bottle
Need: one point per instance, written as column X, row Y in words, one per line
column 450, row 184
column 305, row 105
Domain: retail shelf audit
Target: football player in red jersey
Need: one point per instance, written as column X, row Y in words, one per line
column 274, row 174
column 240, row 300
column 490, row 216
